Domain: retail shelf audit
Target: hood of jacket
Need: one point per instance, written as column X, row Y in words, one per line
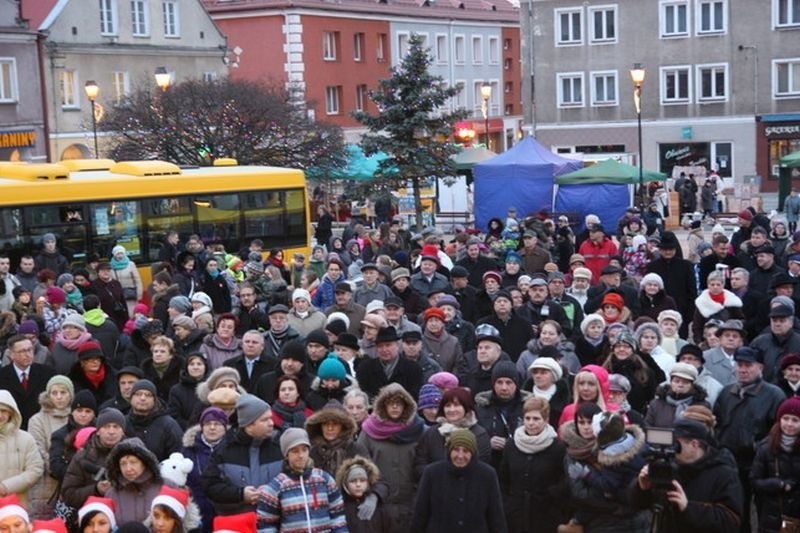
column 394, row 390
column 373, row 474
column 615, row 454
column 47, row 406
column 330, row 413
column 6, row 400
column 132, row 446
column 602, row 376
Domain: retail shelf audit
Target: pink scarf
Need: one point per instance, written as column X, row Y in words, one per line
column 381, row 429
column 72, row 344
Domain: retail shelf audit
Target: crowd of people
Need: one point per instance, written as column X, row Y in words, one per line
column 501, row 380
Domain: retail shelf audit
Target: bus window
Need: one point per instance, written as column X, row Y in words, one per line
column 218, row 217
column 11, row 238
column 296, row 214
column 116, row 223
column 163, row 215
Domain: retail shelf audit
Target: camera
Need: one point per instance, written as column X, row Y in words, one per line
column 661, row 467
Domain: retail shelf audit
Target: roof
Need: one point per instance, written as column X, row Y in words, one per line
column 36, row 11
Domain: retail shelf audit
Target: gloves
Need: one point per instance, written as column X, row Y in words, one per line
column 577, row 471
column 367, row 507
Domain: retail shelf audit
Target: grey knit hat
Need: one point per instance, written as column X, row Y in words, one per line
column 249, row 408
column 109, row 415
column 144, row 384
column 293, row 437
column 180, row 303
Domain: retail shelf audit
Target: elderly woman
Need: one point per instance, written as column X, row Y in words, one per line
column 222, row 378
column 135, row 480
column 441, row 345
column 648, row 345
column 163, row 367
column 652, row 298
column 356, row 402
column 546, row 381
column 674, row 397
column 202, row 312
column 223, row 344
column 68, row 339
column 715, row 302
column 124, row 270
column 624, row 360
column 187, row 337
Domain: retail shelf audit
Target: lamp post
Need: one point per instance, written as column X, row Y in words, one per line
column 486, row 94
column 163, row 78
column 637, row 75
column 92, row 90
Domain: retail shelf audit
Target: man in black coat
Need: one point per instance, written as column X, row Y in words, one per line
column 678, row 276
column 148, row 420
column 720, row 255
column 250, row 315
column 611, row 279
column 388, row 367
column 292, row 361
column 254, row 361
column 514, row 329
column 24, row 379
column 475, row 263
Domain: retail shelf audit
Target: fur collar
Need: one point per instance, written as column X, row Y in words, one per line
column 708, row 307
column 393, row 390
column 613, row 457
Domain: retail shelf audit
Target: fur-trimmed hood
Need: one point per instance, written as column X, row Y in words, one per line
column 699, row 395
column 190, row 435
column 330, row 413
column 484, row 399
column 708, row 307
column 569, row 435
column 132, row 446
column 624, row 451
column 373, row 474
column 393, row 390
column 47, row 406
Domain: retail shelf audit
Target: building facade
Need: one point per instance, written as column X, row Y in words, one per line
column 722, row 84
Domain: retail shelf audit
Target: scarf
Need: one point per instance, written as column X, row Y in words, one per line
column 96, row 378
column 680, row 403
column 744, row 388
column 119, row 264
column 530, row 444
column 670, row 345
column 276, row 262
column 276, row 338
column 94, row 317
column 293, row 416
column 161, row 368
column 793, row 386
column 213, row 274
column 787, row 443
column 445, row 427
column 72, row 344
column 395, row 432
column 75, row 298
column 331, row 453
column 197, row 312
column 546, row 394
column 717, row 298
column 594, row 341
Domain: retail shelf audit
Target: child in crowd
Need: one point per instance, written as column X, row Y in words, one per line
column 356, row 479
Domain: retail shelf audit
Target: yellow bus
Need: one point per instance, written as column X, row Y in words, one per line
column 91, row 205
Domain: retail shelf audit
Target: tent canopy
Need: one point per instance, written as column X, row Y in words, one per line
column 791, row 160
column 468, row 157
column 521, row 177
column 609, row 171
column 359, row 166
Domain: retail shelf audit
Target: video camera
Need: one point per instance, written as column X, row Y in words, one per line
column 661, row 467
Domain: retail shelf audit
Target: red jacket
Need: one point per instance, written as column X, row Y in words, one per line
column 596, row 256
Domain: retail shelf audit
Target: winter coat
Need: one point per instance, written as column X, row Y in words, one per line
column 661, row 413
column 558, row 401
column 132, row 498
column 314, row 320
column 325, row 295
column 199, row 452
column 431, row 447
column 568, row 358
column 105, row 390
column 651, row 306
column 62, row 449
column 182, row 401
column 413, row 302
column 217, row 352
column 191, row 344
column 706, row 309
column 770, row 470
column 597, row 256
column 515, row 332
column 266, row 390
column 534, row 487
column 372, row 378
column 84, row 471
column 22, row 463
column 329, row 455
column 772, row 348
column 679, row 283
column 380, row 522
column 159, row 432
column 499, row 419
column 641, row 393
column 112, row 301
column 712, row 487
column 453, row 500
column 41, row 426
column 589, row 354
column 106, row 334
column 445, row 349
column 168, row 379
column 160, row 303
column 129, row 278
column 138, row 350
column 319, row 396
column 219, row 292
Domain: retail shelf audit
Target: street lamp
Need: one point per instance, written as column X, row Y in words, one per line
column 92, row 90
column 637, row 75
column 486, row 94
column 163, row 79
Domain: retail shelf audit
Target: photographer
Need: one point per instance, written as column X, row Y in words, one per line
column 706, row 494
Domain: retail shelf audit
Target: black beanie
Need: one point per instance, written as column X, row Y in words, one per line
column 294, row 349
column 505, row 369
column 85, row 398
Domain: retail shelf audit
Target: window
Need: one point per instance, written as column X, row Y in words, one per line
column 381, row 48
column 603, row 24
column 477, row 99
column 172, row 26
column 139, row 18
column 68, row 88
column 507, row 45
column 459, row 49
column 712, row 16
column 330, row 42
column 402, row 45
column 358, row 47
column 494, row 50
column 570, row 89
column 441, row 49
column 477, row 50
column 8, row 79
column 604, row 88
column 361, row 97
column 674, row 19
column 675, row 85
column 120, row 84
column 568, row 27
column 786, row 12
column 460, row 99
column 108, row 17
column 786, row 77
column 332, row 100
column 210, row 76
column 508, row 87
column 712, row 82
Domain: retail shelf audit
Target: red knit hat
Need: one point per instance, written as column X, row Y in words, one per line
column 615, row 299
column 790, row 407
column 491, row 274
column 430, row 251
column 235, row 523
column 175, row 499
column 49, row 526
column 55, row 295
column 745, row 214
column 433, row 312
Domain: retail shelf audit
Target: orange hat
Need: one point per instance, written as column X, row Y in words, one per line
column 433, row 312
column 615, row 299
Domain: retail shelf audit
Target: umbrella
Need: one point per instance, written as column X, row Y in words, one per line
column 467, row 157
column 609, row 171
column 791, row 160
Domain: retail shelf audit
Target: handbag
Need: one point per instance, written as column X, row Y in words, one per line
column 788, row 524
column 129, row 293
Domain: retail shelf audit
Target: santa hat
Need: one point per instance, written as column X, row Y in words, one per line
column 175, row 499
column 49, row 526
column 235, row 523
column 101, row 505
column 11, row 506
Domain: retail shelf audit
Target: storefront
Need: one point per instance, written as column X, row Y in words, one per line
column 776, row 136
column 18, row 144
column 674, row 157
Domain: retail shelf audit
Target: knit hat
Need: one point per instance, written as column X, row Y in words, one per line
column 588, row 319
column 683, row 370
column 491, row 274
column 175, row 499
column 331, row 368
column 48, row 237
column 609, row 428
column 292, row 438
column 348, row 340
column 249, row 408
column 11, row 506
column 183, row 321
column 686, row 428
column 90, row 350
column 443, row 380
column 669, row 314
column 180, row 303
column 433, row 312
column 84, row 398
column 463, row 438
column 356, row 471
column 82, row 436
column 64, row 278
column 745, row 214
column 99, row 504
column 374, row 305
column 615, row 299
column 692, row 350
column 63, row 381
column 224, row 398
column 54, row 525
column 235, row 523
column 336, row 326
column 648, row 326
column 786, row 361
column 505, row 369
column 652, row 277
column 429, row 397
column 619, row 383
column 28, row 327
column 789, row 407
column 513, row 257
column 448, row 299
column 318, row 336
column 144, row 384
column 55, row 295
column 459, row 271
column 294, row 349
column 627, row 338
column 213, row 414
column 74, row 320
column 301, row 294
column 547, row 363
column 109, row 415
